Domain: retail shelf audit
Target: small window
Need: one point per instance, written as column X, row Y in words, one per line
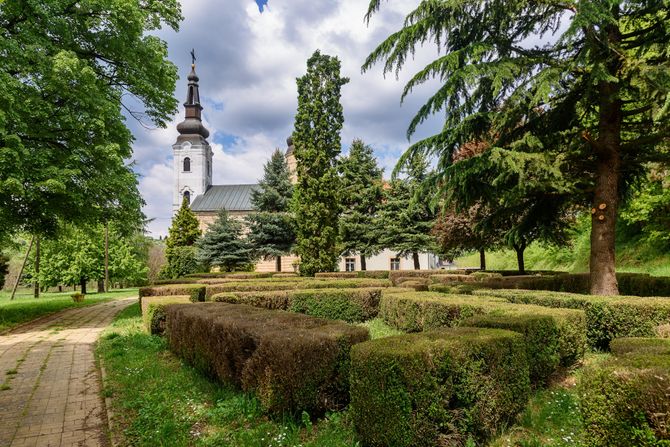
column 395, row 263
column 187, row 164
column 350, row 264
column 187, row 196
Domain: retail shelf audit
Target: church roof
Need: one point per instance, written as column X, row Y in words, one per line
column 230, row 197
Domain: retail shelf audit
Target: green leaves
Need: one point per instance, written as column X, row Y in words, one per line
column 223, row 245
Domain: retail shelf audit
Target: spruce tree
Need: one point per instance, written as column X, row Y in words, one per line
column 223, row 245
column 271, row 226
column 318, row 123
column 361, row 183
column 180, row 252
column 588, row 104
column 406, row 219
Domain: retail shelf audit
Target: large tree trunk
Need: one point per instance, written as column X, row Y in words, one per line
column 482, row 259
column 82, row 283
column 278, row 264
column 606, row 197
column 415, row 256
column 36, row 288
column 519, row 249
column 363, row 264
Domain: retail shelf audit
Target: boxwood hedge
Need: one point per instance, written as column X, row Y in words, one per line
column 446, row 387
column 153, row 311
column 379, row 274
column 257, row 286
column 292, row 362
column 196, row 292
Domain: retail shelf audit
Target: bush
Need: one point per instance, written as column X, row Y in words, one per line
column 166, row 282
column 607, row 318
column 236, row 275
column 257, row 286
column 455, row 289
column 196, row 292
column 292, row 362
column 451, row 278
column 447, row 387
column 625, row 401
column 153, row 311
column 4, row 269
column 181, row 261
column 396, row 274
column 351, row 305
column 78, row 297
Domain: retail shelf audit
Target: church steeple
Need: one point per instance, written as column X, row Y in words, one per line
column 192, row 129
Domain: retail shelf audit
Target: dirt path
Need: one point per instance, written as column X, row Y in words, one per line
column 50, row 393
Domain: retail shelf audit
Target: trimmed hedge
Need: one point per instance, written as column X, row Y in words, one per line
column 444, row 387
column 164, row 282
column 607, row 317
column 292, row 362
column 258, row 286
column 153, row 311
column 626, row 402
column 394, row 275
column 455, row 289
column 376, row 274
column 196, row 292
column 351, row 305
column 237, row 275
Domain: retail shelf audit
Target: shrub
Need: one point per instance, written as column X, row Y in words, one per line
column 625, row 401
column 446, row 387
column 378, row 274
column 236, row 275
column 418, row 285
column 482, row 276
column 292, row 362
column 606, row 317
column 153, row 311
column 195, row 291
column 78, row 297
column 181, row 261
column 257, row 286
column 395, row 274
column 451, row 278
column 455, row 289
column 166, row 282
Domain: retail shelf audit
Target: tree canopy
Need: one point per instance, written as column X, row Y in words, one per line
column 223, row 245
column 577, row 115
column 180, row 251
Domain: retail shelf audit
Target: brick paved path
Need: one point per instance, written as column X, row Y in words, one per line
column 50, row 392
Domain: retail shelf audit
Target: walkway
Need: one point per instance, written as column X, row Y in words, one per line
column 50, row 393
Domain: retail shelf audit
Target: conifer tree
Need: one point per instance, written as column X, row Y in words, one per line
column 406, row 219
column 318, row 123
column 223, row 245
column 271, row 227
column 361, row 182
column 180, row 252
column 578, row 114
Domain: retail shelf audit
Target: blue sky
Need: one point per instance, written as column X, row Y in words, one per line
column 248, row 62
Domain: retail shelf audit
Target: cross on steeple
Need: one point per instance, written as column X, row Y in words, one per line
column 193, row 56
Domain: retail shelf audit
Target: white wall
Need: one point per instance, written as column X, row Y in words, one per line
column 382, row 261
column 198, row 179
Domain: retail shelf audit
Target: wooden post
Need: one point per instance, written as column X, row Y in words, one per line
column 36, row 287
column 23, row 266
column 106, row 257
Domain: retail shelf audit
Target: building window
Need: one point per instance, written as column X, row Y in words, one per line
column 395, row 263
column 187, row 196
column 187, row 164
column 350, row 264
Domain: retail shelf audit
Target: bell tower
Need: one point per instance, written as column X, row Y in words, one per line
column 192, row 152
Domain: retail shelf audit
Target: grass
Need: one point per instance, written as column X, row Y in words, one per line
column 159, row 401
column 25, row 308
column 379, row 329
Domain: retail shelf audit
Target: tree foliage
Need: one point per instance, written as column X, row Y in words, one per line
column 180, row 253
column 271, row 226
column 223, row 245
column 4, row 269
column 458, row 232
column 66, row 71
column 577, row 115
column 361, row 183
column 318, row 123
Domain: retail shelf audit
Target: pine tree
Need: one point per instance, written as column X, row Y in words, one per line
column 590, row 102
column 271, row 226
column 180, row 253
column 318, row 124
column 223, row 245
column 361, row 182
column 406, row 219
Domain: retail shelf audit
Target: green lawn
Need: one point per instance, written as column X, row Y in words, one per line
column 25, row 308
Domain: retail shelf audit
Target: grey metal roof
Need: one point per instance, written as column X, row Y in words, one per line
column 230, row 197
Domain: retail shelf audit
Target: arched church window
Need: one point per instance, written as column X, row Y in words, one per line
column 187, row 196
column 187, row 164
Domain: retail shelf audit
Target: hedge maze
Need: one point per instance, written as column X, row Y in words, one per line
column 474, row 347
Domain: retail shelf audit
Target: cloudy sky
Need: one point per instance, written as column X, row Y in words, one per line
column 248, row 61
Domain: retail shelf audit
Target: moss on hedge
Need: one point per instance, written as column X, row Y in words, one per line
column 196, row 292
column 625, row 401
column 292, row 362
column 437, row 388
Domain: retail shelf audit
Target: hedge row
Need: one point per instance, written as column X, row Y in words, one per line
column 258, row 286
column 351, row 305
column 238, row 275
column 164, row 282
column 607, row 318
column 626, row 402
column 153, row 311
column 292, row 362
column 378, row 274
column 447, row 387
column 196, row 292
column 553, row 337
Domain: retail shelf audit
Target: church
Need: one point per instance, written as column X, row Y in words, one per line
column 192, row 158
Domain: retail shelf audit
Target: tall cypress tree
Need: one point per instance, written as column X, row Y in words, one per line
column 318, row 123
column 223, row 245
column 406, row 219
column 182, row 236
column 271, row 227
column 361, row 181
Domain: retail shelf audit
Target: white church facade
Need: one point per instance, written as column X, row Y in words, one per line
column 192, row 159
